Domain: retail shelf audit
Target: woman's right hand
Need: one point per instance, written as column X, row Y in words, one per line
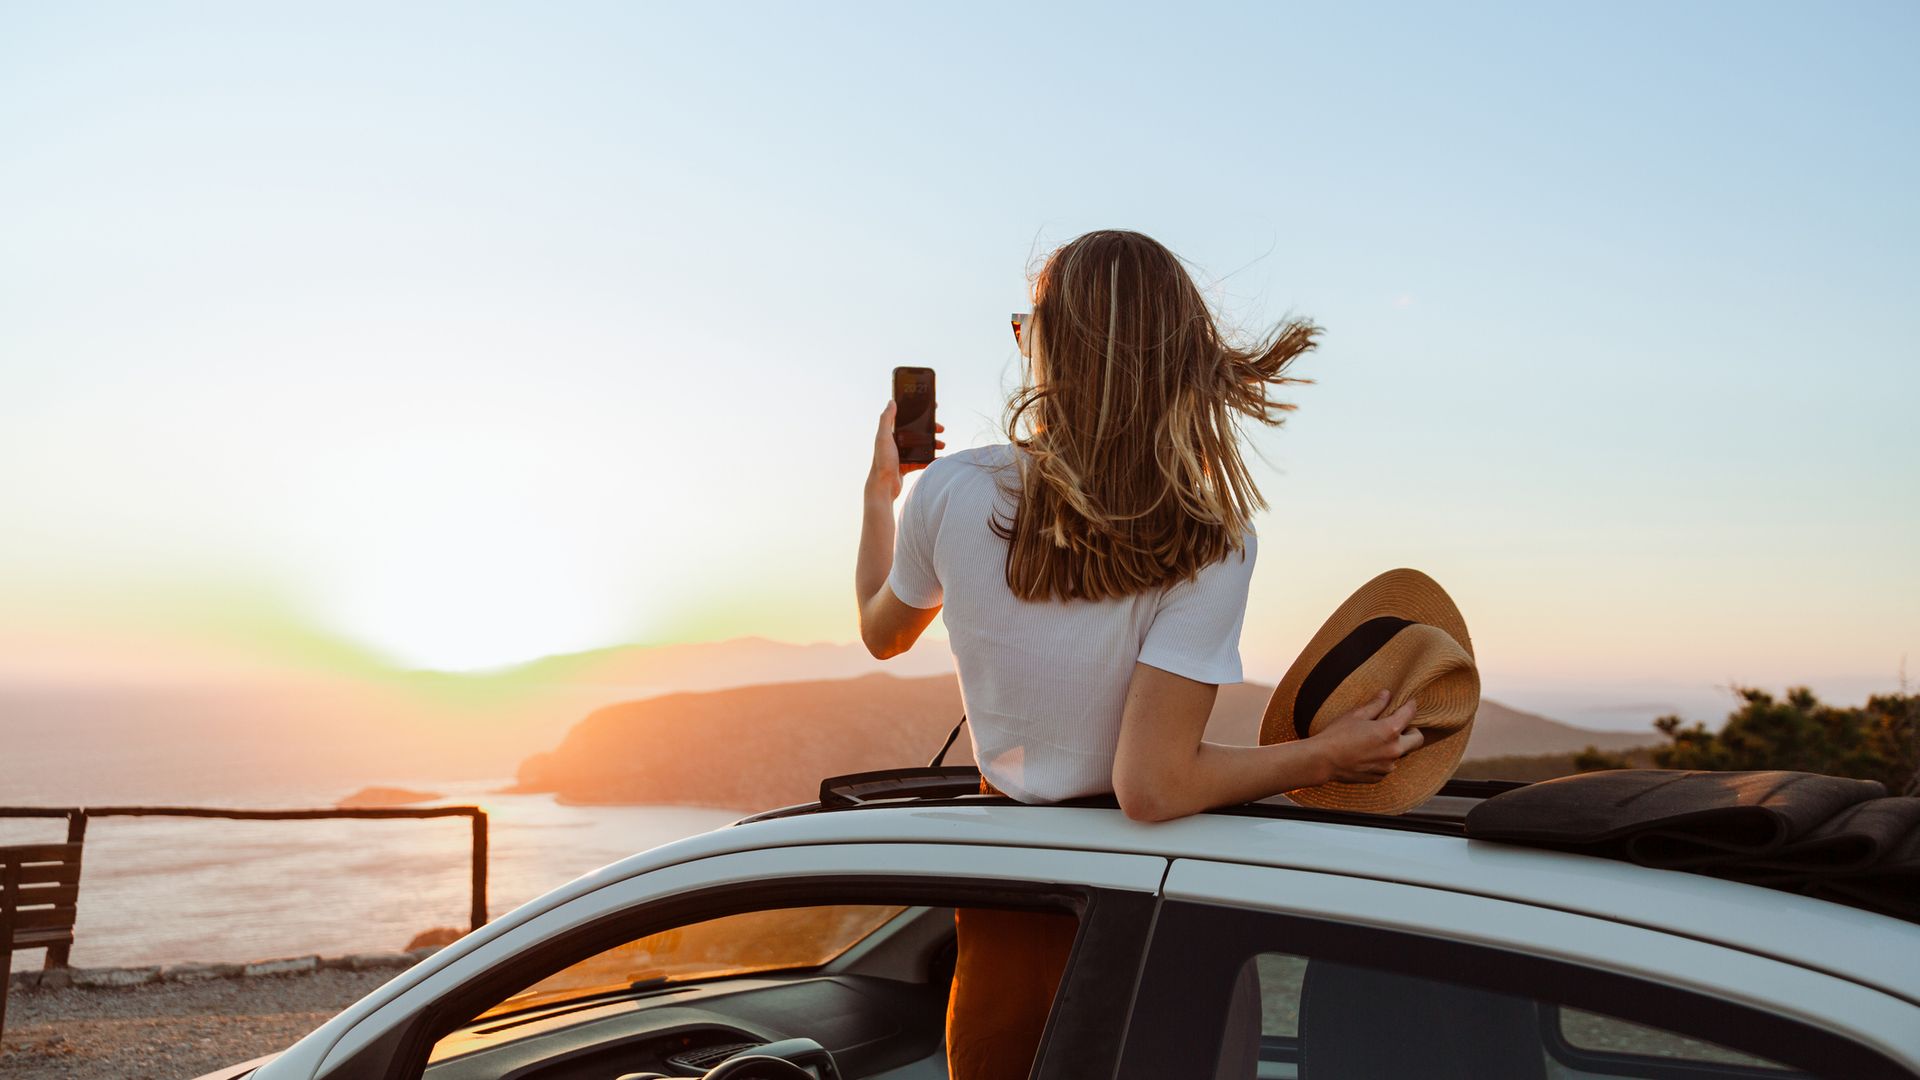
column 884, row 479
column 1362, row 746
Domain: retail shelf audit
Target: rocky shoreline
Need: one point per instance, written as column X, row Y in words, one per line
column 104, row 978
column 177, row 1021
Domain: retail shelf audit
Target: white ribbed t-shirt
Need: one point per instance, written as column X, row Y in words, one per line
column 1044, row 681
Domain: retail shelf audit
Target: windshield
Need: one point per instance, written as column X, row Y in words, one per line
column 756, row 941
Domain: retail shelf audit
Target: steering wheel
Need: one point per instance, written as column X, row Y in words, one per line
column 783, row 1060
column 757, row 1066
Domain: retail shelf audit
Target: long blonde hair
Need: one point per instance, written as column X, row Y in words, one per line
column 1132, row 477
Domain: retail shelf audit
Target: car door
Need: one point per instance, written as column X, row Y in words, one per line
column 391, row 1035
column 1258, row 971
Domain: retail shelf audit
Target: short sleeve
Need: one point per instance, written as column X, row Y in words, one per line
column 913, row 579
column 1196, row 631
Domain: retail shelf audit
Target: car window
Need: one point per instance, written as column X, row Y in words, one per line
column 781, row 939
column 753, row 942
column 1566, row 1042
column 882, row 926
column 1271, row 995
column 1598, row 1034
column 1279, row 980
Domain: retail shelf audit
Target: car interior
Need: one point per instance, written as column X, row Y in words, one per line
column 867, row 983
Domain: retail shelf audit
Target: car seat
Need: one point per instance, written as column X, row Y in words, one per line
column 1240, row 1043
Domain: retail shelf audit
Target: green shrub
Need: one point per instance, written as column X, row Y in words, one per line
column 1876, row 741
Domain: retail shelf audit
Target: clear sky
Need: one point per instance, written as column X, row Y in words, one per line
column 465, row 333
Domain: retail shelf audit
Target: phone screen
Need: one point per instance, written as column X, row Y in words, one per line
column 913, row 414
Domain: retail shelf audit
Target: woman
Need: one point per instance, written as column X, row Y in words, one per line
column 1093, row 573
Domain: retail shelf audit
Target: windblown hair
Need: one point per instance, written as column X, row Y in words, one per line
column 1132, row 477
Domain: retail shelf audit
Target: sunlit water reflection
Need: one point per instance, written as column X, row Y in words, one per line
column 165, row 890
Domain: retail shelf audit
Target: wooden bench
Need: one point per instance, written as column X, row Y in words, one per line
column 39, row 894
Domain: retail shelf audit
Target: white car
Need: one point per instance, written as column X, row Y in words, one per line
column 1262, row 941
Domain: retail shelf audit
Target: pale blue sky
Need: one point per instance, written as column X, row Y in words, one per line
column 472, row 332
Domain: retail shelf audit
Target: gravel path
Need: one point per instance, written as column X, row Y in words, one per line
column 168, row 1031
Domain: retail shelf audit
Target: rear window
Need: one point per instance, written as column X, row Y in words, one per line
column 1590, row 1044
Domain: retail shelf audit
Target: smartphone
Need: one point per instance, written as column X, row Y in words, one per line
column 913, row 414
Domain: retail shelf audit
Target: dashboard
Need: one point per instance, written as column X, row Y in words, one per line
column 871, row 1025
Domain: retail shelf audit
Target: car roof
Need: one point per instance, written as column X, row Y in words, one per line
column 1427, row 846
column 1850, row 943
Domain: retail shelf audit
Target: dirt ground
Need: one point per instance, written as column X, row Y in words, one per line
column 168, row 1031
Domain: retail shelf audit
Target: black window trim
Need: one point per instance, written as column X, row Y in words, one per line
column 1198, row 947
column 1093, row 997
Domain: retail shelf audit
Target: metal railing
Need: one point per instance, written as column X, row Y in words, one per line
column 78, row 816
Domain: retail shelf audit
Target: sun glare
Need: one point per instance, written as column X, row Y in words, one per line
column 470, row 602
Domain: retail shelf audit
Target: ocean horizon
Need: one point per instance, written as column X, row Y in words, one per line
column 179, row 890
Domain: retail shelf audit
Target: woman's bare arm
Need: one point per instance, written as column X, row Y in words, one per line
column 1165, row 769
column 888, row 626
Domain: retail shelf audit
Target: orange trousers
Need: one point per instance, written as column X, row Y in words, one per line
column 1004, row 978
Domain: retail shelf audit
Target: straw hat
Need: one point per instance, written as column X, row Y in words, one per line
column 1399, row 632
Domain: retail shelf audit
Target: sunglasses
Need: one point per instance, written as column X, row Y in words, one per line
column 1023, row 331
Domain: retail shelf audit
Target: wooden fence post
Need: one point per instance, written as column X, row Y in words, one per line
column 479, row 915
column 57, row 955
column 9, row 897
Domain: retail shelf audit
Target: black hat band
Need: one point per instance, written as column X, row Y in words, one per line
column 1339, row 662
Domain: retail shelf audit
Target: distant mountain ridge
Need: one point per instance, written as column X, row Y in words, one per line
column 1498, row 731
column 756, row 747
column 269, row 735
column 716, row 665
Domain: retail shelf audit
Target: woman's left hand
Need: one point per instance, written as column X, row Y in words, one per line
column 885, row 479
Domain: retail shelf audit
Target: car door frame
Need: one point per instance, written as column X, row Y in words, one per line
column 1115, row 896
column 1216, row 914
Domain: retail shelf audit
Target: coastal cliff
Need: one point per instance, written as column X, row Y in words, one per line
column 757, row 747
column 751, row 747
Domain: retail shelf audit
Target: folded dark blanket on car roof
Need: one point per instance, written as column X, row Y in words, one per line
column 1827, row 836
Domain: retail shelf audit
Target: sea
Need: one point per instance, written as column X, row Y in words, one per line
column 164, row 890
column 171, row 890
